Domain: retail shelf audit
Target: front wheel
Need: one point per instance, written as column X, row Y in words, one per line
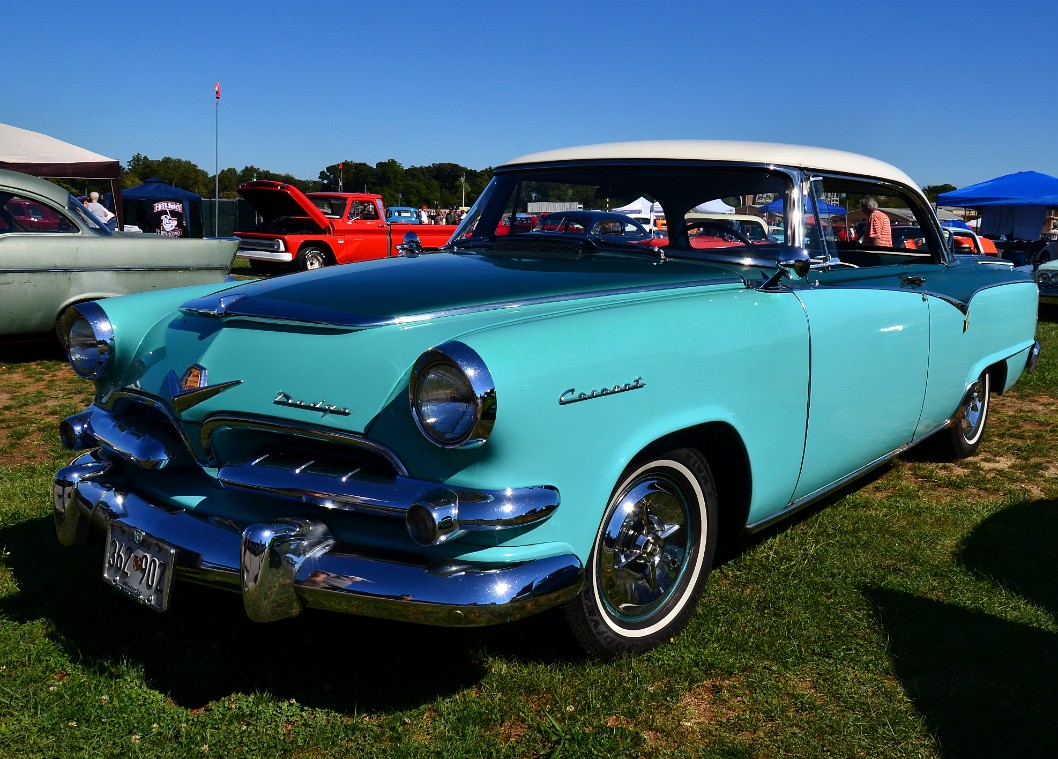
column 310, row 258
column 651, row 556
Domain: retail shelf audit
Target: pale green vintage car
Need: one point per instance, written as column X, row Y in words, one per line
column 1046, row 276
column 54, row 253
column 535, row 419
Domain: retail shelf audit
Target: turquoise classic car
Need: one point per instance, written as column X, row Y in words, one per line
column 531, row 418
column 55, row 253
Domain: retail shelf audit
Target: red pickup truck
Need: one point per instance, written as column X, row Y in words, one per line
column 317, row 229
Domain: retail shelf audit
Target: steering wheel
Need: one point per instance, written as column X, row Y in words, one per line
column 718, row 226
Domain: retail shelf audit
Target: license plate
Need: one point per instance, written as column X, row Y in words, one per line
column 139, row 565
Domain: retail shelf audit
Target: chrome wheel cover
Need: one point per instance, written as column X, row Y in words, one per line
column 973, row 411
column 644, row 548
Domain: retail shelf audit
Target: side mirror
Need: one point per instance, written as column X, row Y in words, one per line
column 794, row 261
column 411, row 246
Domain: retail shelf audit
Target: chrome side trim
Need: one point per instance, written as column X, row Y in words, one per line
column 794, row 506
column 90, row 269
column 283, row 565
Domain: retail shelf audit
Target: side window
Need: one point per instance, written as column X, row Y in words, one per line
column 871, row 224
column 21, row 214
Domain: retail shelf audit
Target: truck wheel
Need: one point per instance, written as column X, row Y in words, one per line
column 651, row 557
column 310, row 258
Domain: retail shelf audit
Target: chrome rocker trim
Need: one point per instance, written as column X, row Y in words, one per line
column 285, row 565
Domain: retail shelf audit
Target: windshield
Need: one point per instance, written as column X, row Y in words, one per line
column 76, row 207
column 691, row 210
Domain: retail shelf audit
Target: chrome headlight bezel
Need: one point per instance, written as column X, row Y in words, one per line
column 469, row 420
column 88, row 337
column 1043, row 279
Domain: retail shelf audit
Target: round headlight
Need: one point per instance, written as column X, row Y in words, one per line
column 89, row 339
column 1043, row 278
column 453, row 399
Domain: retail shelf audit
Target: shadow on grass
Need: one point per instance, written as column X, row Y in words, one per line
column 204, row 648
column 1048, row 312
column 986, row 686
column 29, row 349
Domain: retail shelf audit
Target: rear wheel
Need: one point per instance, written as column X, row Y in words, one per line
column 310, row 258
column 651, row 557
column 963, row 437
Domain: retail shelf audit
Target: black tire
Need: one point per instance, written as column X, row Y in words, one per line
column 651, row 558
column 963, row 437
column 311, row 258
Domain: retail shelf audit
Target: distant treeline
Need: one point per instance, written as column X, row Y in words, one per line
column 439, row 185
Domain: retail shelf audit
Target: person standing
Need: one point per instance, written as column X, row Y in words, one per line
column 878, row 233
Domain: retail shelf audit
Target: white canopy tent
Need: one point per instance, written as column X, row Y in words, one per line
column 646, row 208
column 43, row 156
column 641, row 207
column 714, row 206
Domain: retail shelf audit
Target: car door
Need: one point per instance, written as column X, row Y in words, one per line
column 869, row 327
column 34, row 261
column 869, row 355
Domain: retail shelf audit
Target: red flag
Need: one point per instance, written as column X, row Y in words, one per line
column 341, row 165
column 216, row 88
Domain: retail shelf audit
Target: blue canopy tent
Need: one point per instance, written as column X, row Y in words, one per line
column 1014, row 205
column 776, row 206
column 158, row 207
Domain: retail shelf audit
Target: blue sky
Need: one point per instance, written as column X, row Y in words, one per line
column 955, row 92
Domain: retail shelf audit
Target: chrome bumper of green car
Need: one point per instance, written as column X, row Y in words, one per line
column 283, row 565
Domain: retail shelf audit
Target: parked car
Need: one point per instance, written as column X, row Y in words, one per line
column 712, row 230
column 523, row 222
column 962, row 241
column 535, row 420
column 1047, row 280
column 54, row 253
column 604, row 225
column 402, row 215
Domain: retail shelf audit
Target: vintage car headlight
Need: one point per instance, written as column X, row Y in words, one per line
column 89, row 339
column 1043, row 279
column 453, row 398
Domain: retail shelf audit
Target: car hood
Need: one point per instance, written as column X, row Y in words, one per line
column 411, row 290
column 334, row 347
column 273, row 200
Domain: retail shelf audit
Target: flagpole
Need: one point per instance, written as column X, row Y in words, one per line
column 216, row 167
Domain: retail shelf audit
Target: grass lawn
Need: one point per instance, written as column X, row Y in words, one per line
column 916, row 614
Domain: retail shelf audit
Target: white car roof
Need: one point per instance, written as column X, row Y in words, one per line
column 799, row 156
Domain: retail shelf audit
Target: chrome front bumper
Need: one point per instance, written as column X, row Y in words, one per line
column 284, row 565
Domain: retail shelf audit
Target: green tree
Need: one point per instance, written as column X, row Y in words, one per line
column 175, row 171
column 932, row 191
